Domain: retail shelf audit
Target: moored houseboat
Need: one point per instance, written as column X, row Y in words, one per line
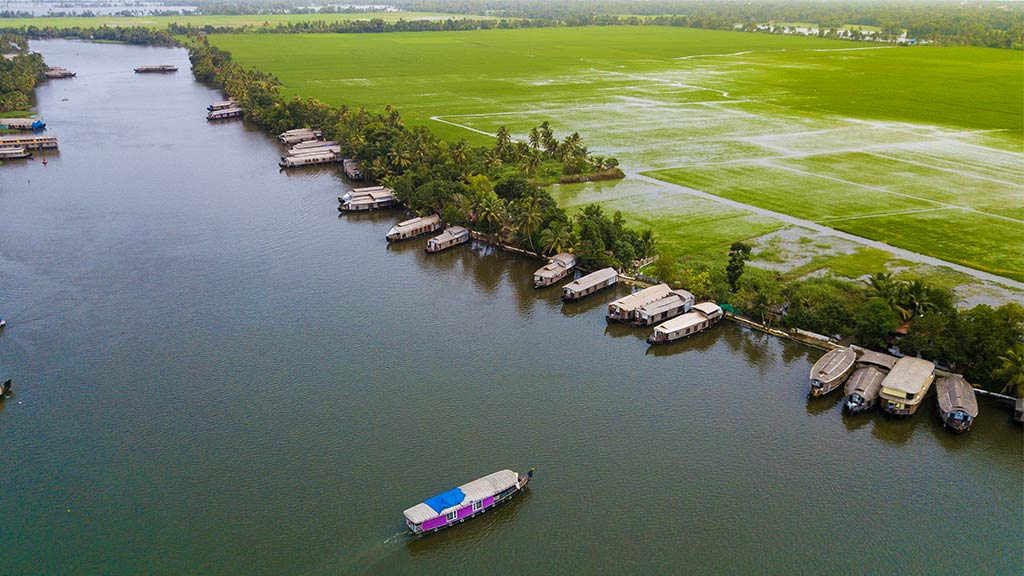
column 958, row 405
column 314, row 144
column 14, row 153
column 28, row 141
column 299, row 137
column 559, row 266
column 864, row 385
column 317, row 150
column 371, row 199
column 308, row 160
column 452, row 236
column 589, row 284
column 831, row 370
column 352, row 169
column 295, row 132
column 222, row 105
column 158, row 69
column 701, row 317
column 906, row 385
column 459, row 504
column 624, row 309
column 22, row 124
column 58, row 72
column 413, row 227
column 671, row 305
column 224, row 113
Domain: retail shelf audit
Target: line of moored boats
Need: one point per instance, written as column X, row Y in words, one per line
column 898, row 384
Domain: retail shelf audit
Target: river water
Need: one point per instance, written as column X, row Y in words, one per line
column 215, row 373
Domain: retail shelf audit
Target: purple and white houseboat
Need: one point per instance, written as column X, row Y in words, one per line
column 458, row 504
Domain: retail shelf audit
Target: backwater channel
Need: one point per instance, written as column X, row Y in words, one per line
column 217, row 374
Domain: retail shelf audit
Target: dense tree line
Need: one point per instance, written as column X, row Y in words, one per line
column 20, row 70
column 982, row 343
column 128, row 35
column 492, row 189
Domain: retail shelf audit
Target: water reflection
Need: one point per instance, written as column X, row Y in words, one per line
column 823, row 404
column 701, row 341
column 593, row 302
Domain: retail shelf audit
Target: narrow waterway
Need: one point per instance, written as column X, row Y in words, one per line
column 217, row 374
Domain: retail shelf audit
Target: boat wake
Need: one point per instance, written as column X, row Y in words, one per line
column 402, row 533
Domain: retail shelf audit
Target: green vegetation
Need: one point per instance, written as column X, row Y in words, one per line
column 480, row 187
column 18, row 74
column 215, row 20
column 740, row 124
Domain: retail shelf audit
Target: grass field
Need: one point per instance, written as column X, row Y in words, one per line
column 918, row 147
column 223, row 20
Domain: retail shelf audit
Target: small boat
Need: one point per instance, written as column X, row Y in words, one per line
column 5, row 388
column 958, row 406
column 863, row 386
column 160, row 68
column 459, row 504
column 2, row 323
column 831, row 370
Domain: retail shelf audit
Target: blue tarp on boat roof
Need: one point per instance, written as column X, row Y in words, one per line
column 445, row 499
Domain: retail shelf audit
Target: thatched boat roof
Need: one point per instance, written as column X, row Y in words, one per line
column 956, row 394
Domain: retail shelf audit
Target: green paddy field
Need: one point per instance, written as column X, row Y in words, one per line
column 919, row 147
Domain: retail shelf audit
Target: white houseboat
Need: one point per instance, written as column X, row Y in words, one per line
column 624, row 309
column 559, row 266
column 224, row 113
column 363, row 199
column 702, row 316
column 308, row 160
column 452, row 236
column 414, row 227
column 589, row 284
column 671, row 305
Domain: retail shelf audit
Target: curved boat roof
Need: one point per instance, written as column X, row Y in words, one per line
column 592, row 279
column 866, row 381
column 638, row 299
column 909, row 375
column 877, row 358
column 833, row 364
column 470, row 492
column 956, row 394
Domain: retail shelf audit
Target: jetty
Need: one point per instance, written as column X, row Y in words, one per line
column 464, row 502
column 831, row 370
column 27, row 141
column 368, row 198
column 958, row 405
column 673, row 304
column 452, row 236
column 222, row 105
column 702, row 316
column 624, row 309
column 558, row 267
column 224, row 113
column 906, row 385
column 157, row 69
column 863, row 387
column 589, row 284
column 58, row 72
column 413, row 227
column 352, row 169
column 308, row 159
column 14, row 153
column 22, row 124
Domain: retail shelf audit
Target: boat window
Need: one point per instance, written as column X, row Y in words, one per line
column 477, row 506
column 453, row 515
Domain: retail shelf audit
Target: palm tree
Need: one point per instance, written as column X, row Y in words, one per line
column 460, row 153
column 400, row 159
column 530, row 218
column 1011, row 371
column 492, row 159
column 556, row 238
column 491, row 211
column 533, row 162
column 503, row 143
column 535, row 138
column 648, row 241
